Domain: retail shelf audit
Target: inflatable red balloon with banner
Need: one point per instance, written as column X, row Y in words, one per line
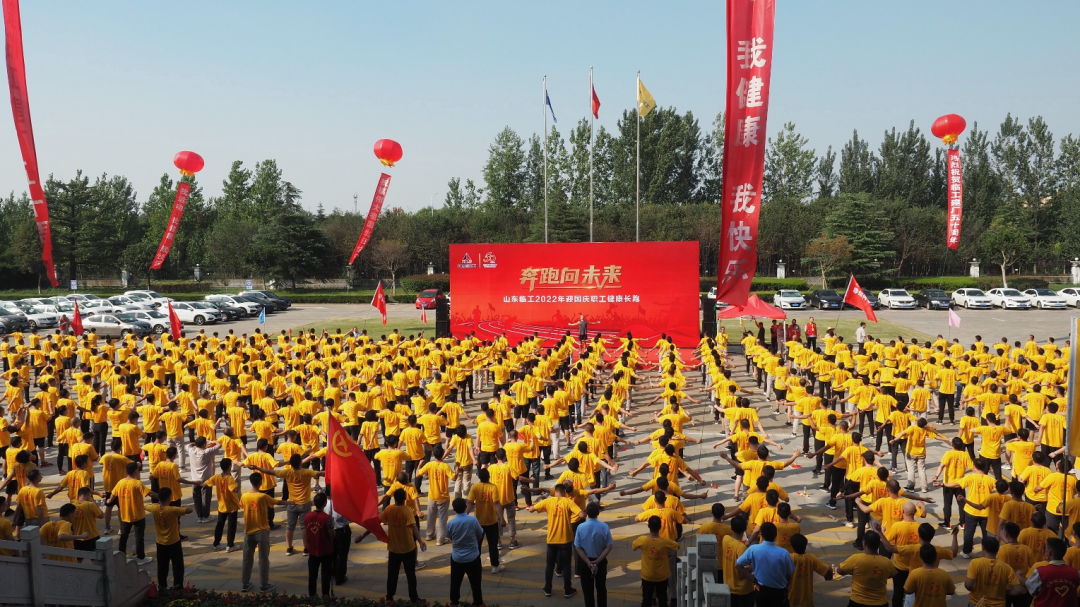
column 189, row 163
column 388, row 151
column 948, row 128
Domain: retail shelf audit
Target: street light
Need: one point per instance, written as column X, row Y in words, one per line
column 198, row 273
column 431, row 203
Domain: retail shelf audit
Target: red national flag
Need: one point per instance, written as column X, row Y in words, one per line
column 76, row 320
column 857, row 297
column 595, row 104
column 352, row 480
column 174, row 323
column 379, row 301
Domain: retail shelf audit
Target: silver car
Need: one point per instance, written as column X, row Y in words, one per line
column 39, row 317
column 115, row 325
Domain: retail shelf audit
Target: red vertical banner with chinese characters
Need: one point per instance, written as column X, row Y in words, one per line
column 749, row 67
column 646, row 288
column 956, row 199
column 183, row 190
column 372, row 215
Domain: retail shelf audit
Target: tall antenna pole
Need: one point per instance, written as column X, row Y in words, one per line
column 544, row 107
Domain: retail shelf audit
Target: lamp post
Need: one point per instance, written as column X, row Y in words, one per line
column 198, row 273
column 431, row 203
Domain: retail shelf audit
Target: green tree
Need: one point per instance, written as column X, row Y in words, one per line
column 903, row 167
column 856, row 166
column 789, row 167
column 828, row 182
column 826, row 254
column 504, row 171
column 859, row 218
column 1006, row 244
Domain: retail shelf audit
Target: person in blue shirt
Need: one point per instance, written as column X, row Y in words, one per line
column 772, row 568
column 465, row 534
column 593, row 542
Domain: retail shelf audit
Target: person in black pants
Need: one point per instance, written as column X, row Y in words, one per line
column 170, row 546
column 403, row 532
column 655, row 564
column 466, row 534
column 593, row 543
column 319, row 544
column 342, row 541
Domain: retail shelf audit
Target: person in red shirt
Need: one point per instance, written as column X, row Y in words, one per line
column 319, row 541
column 794, row 333
column 811, row 333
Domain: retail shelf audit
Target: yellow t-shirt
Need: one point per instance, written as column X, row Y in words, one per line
column 730, row 551
column 992, row 578
column 560, row 511
column 225, row 488
column 256, row 506
column 979, row 488
column 483, row 496
column 299, row 483
column 399, row 521
column 931, row 587
column 801, row 586
column 654, row 557
column 166, row 523
column 439, row 475
column 129, row 494
column 869, row 578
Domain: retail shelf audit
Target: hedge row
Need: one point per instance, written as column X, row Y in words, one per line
column 421, row 282
column 760, row 284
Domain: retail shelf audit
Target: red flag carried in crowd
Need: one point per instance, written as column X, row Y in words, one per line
column 857, row 297
column 174, row 323
column 379, row 302
column 76, row 320
column 352, row 479
column 749, row 69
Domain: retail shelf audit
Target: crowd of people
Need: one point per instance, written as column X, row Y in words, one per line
column 123, row 425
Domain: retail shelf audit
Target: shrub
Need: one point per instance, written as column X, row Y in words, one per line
column 421, row 282
column 760, row 284
column 948, row 283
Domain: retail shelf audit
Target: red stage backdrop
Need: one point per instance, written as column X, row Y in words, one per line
column 647, row 288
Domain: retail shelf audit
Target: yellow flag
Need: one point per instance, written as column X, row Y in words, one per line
column 645, row 101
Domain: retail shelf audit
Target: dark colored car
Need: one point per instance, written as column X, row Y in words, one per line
column 14, row 319
column 229, row 312
column 283, row 303
column 933, row 299
column 824, row 299
column 271, row 302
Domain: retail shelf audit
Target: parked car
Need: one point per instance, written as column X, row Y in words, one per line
column 1046, row 298
column 158, row 320
column 13, row 317
column 824, row 299
column 128, row 304
column 82, row 297
column 426, row 299
column 276, row 299
column 98, row 306
column 230, row 312
column 116, row 325
column 1009, row 298
column 39, row 317
column 1071, row 295
column 786, row 299
column 188, row 313
column 972, row 299
column 145, row 296
column 933, row 299
column 250, row 308
column 896, row 298
column 270, row 303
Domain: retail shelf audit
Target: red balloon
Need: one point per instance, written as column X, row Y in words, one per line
column 948, row 127
column 388, row 151
column 188, row 162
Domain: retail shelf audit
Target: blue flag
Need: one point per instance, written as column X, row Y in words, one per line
column 262, row 315
column 547, row 100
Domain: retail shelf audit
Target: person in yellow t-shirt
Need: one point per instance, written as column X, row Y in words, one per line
column 656, row 555
column 298, row 480
column 990, row 580
column 870, row 572
column 170, row 548
column 256, row 505
column 561, row 513
column 801, row 587
column 731, row 548
column 228, row 500
column 979, row 487
column 128, row 496
column 438, row 508
column 60, row 534
column 929, row 585
column 403, row 534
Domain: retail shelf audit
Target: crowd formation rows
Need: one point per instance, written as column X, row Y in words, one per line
column 493, row 425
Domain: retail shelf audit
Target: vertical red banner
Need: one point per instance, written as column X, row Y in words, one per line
column 179, row 205
column 956, row 199
column 372, row 215
column 20, row 110
column 749, row 68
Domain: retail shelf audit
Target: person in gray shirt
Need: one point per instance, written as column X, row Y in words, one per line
column 202, row 454
column 465, row 534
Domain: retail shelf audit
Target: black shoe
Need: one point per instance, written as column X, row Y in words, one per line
column 945, row 525
column 558, row 573
column 572, row 592
column 547, row 592
column 831, row 506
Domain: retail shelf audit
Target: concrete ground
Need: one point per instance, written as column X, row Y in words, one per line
column 522, row 581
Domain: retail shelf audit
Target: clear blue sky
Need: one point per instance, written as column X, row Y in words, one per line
column 119, row 87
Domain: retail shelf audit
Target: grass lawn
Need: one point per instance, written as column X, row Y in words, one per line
column 845, row 327
column 374, row 326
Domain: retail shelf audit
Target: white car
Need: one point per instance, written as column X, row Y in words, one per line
column 896, row 298
column 98, row 306
column 250, row 308
column 188, row 313
column 972, row 299
column 159, row 321
column 143, row 296
column 1009, row 298
column 128, row 304
column 82, row 297
column 787, row 300
column 1071, row 295
column 1046, row 298
column 39, row 317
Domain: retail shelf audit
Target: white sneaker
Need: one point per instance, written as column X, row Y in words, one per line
column 849, row 525
column 498, row 569
column 966, row 555
column 144, row 561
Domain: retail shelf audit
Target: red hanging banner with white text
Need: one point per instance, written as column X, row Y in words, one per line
column 20, row 109
column 372, row 215
column 179, row 205
column 749, row 67
column 956, row 199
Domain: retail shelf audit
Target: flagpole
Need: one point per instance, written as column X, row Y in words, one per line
column 637, row 174
column 592, row 143
column 544, row 107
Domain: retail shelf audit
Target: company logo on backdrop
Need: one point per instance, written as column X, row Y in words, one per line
column 489, row 260
column 467, row 262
